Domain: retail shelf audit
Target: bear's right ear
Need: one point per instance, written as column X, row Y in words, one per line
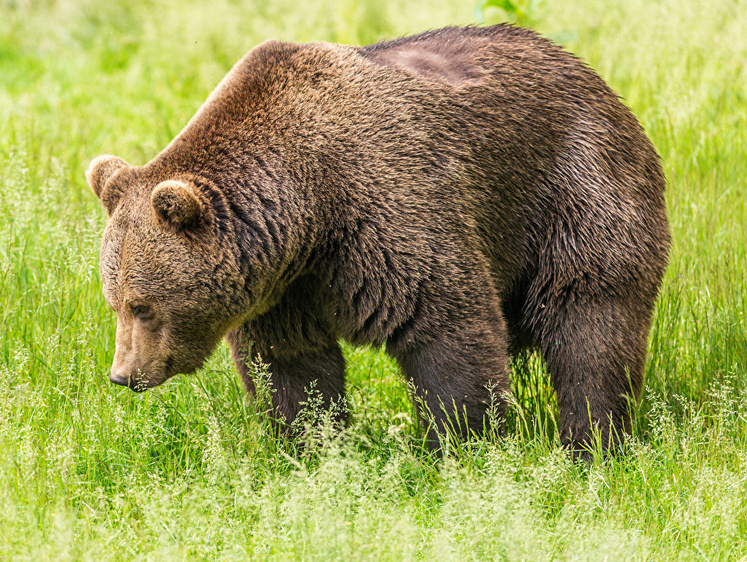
column 99, row 172
column 101, row 169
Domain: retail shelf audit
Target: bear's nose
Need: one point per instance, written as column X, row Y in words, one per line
column 122, row 380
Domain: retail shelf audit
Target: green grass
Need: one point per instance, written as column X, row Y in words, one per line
column 90, row 471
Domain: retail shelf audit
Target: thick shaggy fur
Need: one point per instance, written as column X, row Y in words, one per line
column 456, row 196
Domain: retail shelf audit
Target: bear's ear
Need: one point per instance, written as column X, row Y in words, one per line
column 100, row 171
column 178, row 205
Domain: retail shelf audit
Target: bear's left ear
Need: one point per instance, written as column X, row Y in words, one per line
column 179, row 205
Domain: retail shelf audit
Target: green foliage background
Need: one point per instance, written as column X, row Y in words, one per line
column 192, row 469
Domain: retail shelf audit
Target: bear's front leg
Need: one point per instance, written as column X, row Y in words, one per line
column 295, row 370
column 458, row 363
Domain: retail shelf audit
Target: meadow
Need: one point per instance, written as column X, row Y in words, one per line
column 193, row 469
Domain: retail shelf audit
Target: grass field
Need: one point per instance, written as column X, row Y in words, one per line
column 92, row 471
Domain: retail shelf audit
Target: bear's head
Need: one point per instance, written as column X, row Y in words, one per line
column 169, row 269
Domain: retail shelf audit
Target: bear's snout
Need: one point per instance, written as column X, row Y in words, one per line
column 121, row 380
column 129, row 381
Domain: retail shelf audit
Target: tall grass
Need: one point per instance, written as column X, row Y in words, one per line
column 194, row 469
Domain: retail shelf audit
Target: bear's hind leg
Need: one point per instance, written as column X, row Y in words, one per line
column 595, row 351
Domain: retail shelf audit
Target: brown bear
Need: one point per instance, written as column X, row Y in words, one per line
column 456, row 196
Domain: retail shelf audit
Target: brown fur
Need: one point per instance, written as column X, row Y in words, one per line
column 456, row 196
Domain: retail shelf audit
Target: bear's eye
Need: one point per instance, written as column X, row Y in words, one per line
column 141, row 311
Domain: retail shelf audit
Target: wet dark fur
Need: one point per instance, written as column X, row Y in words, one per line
column 456, row 196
